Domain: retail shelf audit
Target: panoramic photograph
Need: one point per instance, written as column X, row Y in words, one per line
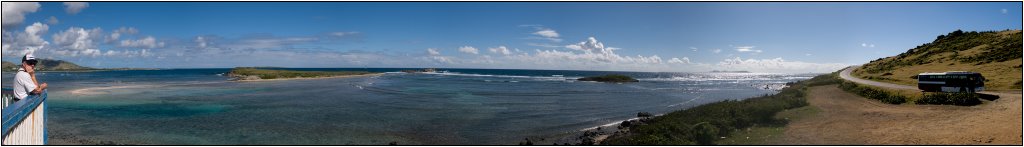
column 512, row 73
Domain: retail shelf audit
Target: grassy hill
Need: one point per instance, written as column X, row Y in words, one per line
column 59, row 65
column 994, row 54
column 8, row 66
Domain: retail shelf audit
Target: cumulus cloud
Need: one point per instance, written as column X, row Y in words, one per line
column 128, row 53
column 747, row 49
column 75, row 7
column 116, row 34
column 52, row 20
column 14, row 12
column 433, row 52
column 148, row 42
column 77, row 41
column 684, row 60
column 500, row 49
column 27, row 41
column 592, row 51
column 469, row 49
column 776, row 65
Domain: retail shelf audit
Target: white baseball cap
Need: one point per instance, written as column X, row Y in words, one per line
column 29, row 58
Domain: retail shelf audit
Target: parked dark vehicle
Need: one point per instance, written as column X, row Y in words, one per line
column 954, row 81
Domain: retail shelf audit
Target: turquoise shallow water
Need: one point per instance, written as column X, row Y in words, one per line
column 462, row 106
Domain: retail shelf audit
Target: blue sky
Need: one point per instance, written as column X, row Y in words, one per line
column 791, row 37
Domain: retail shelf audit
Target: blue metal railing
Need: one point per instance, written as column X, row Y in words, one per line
column 15, row 113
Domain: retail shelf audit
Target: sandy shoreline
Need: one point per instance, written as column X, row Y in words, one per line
column 316, row 78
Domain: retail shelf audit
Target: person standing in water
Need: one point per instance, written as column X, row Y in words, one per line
column 25, row 82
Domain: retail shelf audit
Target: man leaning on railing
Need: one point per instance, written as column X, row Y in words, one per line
column 25, row 82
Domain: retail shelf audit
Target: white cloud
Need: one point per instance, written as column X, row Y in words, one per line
column 128, row 53
column 544, row 33
column 1004, row 11
column 433, row 52
column 547, row 33
column 27, row 41
column 776, row 65
column 747, row 49
column 14, row 12
column 270, row 42
column 808, row 54
column 114, row 36
column 148, row 42
column 500, row 49
column 716, row 51
column 684, row 60
column 469, row 49
column 342, row 34
column 201, row 42
column 867, row 45
column 52, row 20
column 77, row 41
column 693, row 48
column 75, row 7
column 543, row 45
column 590, row 51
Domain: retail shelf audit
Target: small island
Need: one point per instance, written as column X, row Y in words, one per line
column 612, row 78
column 258, row 74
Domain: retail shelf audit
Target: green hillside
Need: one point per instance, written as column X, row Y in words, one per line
column 995, row 54
column 8, row 66
column 59, row 65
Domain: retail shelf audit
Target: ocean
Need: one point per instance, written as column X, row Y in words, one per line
column 455, row 107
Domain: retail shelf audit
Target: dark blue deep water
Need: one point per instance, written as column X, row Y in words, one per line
column 460, row 106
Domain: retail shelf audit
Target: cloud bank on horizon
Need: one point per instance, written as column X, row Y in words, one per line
column 35, row 27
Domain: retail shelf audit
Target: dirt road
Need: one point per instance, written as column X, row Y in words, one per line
column 848, row 119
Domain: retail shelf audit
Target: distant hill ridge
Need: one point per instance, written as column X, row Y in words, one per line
column 995, row 54
column 49, row 65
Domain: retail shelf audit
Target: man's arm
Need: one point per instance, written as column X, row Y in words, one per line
column 39, row 87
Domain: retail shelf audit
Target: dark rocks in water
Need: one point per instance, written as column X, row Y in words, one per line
column 526, row 142
column 612, row 78
column 643, row 114
column 393, row 143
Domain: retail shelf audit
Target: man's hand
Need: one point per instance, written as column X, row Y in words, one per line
column 40, row 89
column 30, row 71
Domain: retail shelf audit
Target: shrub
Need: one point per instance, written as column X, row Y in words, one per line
column 872, row 93
column 704, row 124
column 959, row 99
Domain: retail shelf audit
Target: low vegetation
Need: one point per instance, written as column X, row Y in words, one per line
column 251, row 73
column 706, row 124
column 959, row 99
column 873, row 93
column 995, row 54
column 610, row 78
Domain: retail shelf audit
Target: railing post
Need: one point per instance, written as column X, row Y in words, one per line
column 24, row 122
